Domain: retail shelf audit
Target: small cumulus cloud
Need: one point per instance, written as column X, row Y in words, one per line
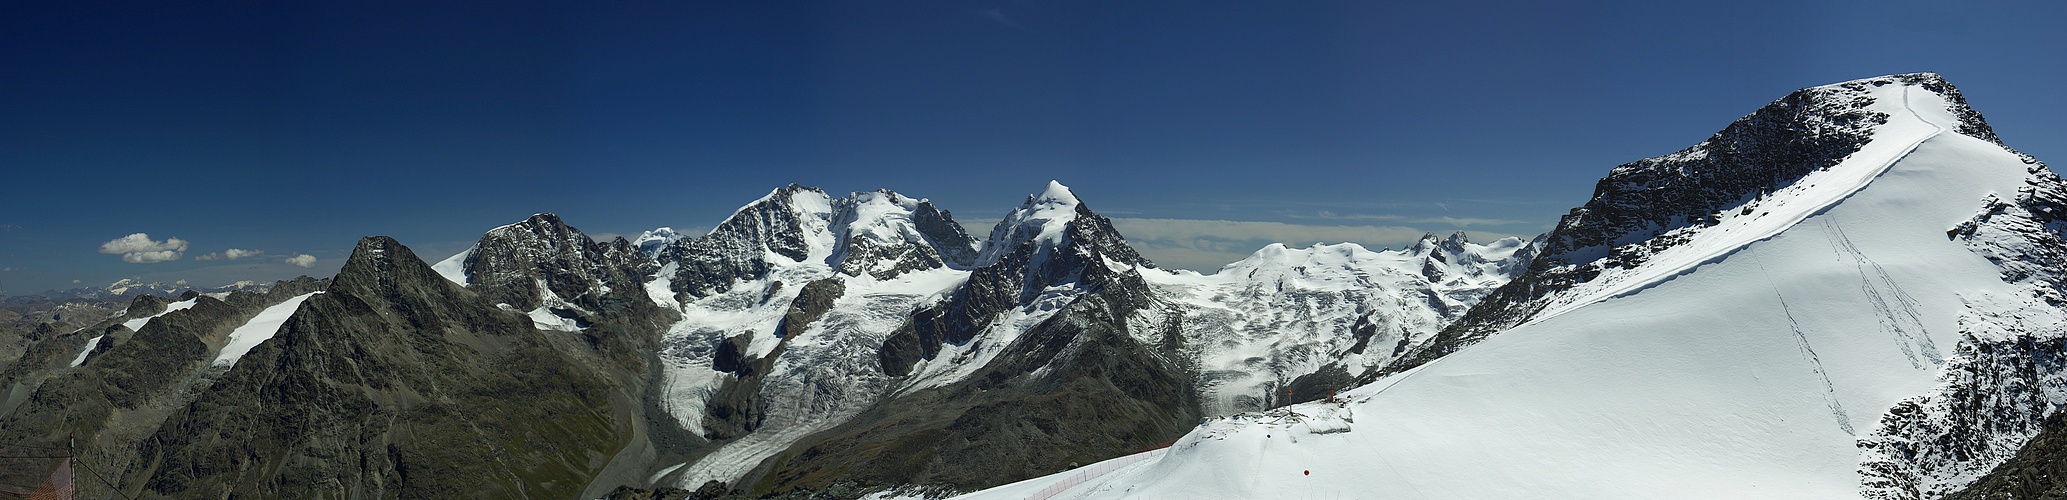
column 139, row 248
column 9, row 227
column 302, row 259
column 231, row 254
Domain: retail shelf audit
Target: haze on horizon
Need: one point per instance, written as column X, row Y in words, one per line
column 260, row 141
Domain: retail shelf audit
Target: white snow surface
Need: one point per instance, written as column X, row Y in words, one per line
column 454, row 268
column 261, row 327
column 651, row 242
column 1043, row 218
column 138, row 323
column 1745, row 365
column 1283, row 312
column 90, row 346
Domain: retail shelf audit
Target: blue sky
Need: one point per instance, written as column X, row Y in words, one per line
column 1207, row 128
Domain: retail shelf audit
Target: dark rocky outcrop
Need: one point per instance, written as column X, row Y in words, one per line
column 2038, row 471
column 395, row 382
column 1024, row 268
column 1078, row 388
column 711, row 263
column 529, row 263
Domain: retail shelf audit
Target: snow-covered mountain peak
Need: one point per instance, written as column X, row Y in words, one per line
column 1057, row 194
column 1434, row 261
column 652, row 242
column 884, row 234
column 1044, row 217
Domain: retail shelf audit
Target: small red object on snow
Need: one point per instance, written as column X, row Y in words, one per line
column 1309, row 472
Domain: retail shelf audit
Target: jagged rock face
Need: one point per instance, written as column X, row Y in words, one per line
column 1648, row 206
column 738, row 248
column 1075, row 389
column 1033, row 250
column 542, row 259
column 2009, row 371
column 395, row 382
column 886, row 235
column 881, row 233
column 2039, row 470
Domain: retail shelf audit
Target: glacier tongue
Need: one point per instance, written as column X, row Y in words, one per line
column 889, row 254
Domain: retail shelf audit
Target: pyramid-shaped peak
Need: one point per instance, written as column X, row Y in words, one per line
column 1054, row 193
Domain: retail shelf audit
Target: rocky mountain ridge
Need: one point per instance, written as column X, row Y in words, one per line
column 813, row 346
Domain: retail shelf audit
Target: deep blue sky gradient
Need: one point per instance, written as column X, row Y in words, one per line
column 297, row 127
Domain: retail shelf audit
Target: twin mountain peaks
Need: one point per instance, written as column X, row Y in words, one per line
column 1854, row 291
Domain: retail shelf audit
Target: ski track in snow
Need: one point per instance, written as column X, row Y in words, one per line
column 1801, row 341
column 1902, row 320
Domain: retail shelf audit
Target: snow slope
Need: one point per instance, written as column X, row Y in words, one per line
column 90, row 346
column 258, row 329
column 454, row 268
column 1748, row 365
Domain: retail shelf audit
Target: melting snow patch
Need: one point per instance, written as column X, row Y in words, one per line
column 546, row 320
column 261, row 327
column 454, row 268
column 138, row 324
column 90, row 346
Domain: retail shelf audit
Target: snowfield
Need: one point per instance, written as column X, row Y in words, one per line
column 258, row 329
column 1747, row 364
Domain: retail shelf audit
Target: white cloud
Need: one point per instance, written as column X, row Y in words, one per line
column 231, row 254
column 302, row 259
column 139, row 248
column 150, row 257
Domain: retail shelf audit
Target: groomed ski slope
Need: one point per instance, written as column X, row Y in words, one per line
column 1745, row 374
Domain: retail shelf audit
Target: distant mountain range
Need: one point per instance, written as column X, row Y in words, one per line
column 1853, row 291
